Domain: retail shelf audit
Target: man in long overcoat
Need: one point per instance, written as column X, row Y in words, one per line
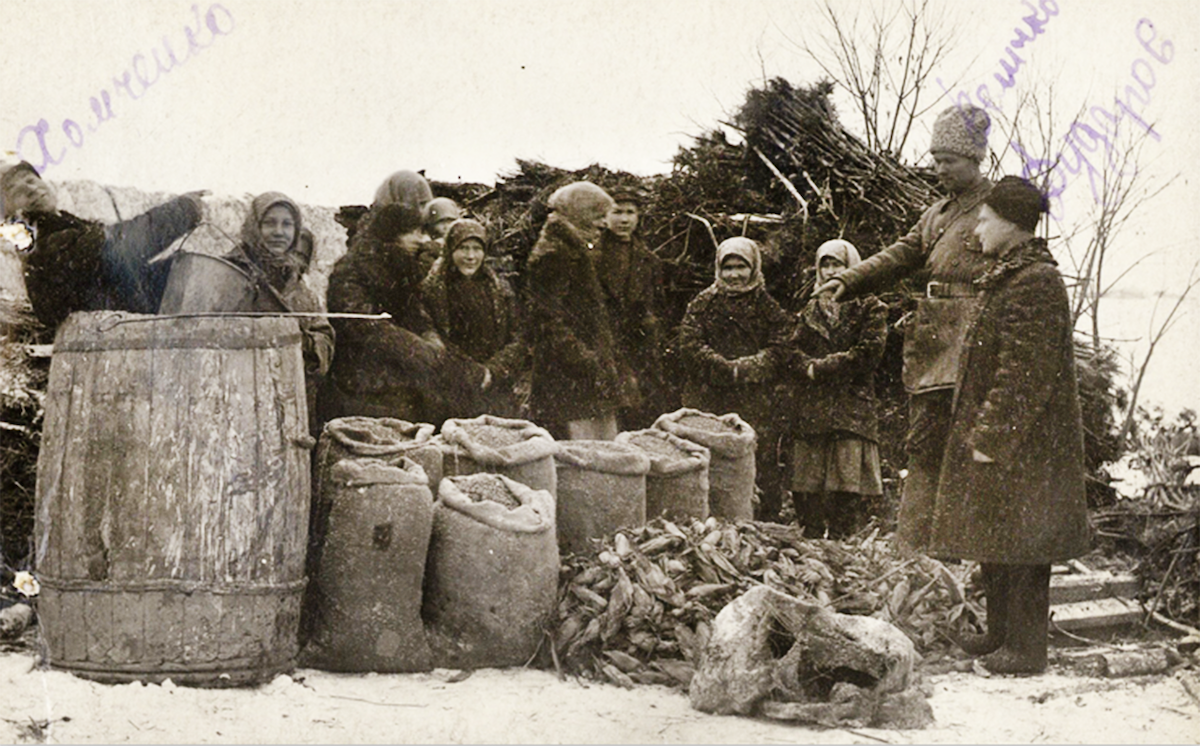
column 1011, row 492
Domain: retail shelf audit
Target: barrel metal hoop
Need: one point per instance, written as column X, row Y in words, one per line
column 182, row 343
column 176, row 586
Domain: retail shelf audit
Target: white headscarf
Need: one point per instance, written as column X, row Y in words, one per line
column 748, row 250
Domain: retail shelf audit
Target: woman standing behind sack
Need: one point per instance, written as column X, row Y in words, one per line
column 731, row 341
column 474, row 309
column 832, row 356
column 393, row 367
column 272, row 252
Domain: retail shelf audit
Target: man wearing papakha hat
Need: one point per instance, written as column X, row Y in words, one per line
column 84, row 265
column 943, row 247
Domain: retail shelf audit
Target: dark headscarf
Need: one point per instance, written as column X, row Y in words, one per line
column 470, row 300
column 403, row 188
column 1018, row 201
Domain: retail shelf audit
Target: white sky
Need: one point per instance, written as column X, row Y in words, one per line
column 322, row 99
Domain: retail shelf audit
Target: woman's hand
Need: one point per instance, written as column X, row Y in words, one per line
column 981, row 458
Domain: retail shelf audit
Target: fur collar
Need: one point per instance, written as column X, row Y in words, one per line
column 1033, row 251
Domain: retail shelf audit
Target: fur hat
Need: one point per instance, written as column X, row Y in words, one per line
column 403, row 187
column 1018, row 201
column 961, row 131
column 580, row 202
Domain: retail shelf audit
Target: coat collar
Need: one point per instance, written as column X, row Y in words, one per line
column 1033, row 251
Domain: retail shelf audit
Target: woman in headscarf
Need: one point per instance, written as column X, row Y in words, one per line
column 474, row 310
column 393, row 367
column 832, row 356
column 731, row 342
column 272, row 252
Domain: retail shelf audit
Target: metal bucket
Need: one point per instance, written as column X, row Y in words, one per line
column 199, row 283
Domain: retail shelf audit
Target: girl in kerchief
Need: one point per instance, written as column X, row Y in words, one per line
column 273, row 252
column 475, row 311
column 833, row 353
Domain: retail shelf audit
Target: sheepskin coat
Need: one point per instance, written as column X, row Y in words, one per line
column 84, row 265
column 1017, row 403
column 574, row 372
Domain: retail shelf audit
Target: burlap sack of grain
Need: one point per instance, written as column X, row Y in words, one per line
column 518, row 449
column 491, row 578
column 601, row 488
column 367, row 585
column 731, row 472
column 387, row 439
column 677, row 483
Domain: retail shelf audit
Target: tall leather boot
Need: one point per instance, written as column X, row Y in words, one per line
column 995, row 590
column 1024, row 648
column 810, row 513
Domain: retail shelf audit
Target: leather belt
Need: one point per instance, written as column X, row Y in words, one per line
column 936, row 289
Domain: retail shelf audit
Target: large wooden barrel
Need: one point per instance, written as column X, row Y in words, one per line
column 173, row 498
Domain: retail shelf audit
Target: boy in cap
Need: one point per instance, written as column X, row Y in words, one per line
column 631, row 281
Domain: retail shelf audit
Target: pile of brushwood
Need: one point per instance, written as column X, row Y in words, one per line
column 640, row 609
column 22, row 391
column 1158, row 530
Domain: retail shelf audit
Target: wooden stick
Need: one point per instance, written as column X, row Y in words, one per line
column 789, row 185
column 1177, row 626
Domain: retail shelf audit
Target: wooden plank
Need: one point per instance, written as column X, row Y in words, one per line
column 130, row 432
column 72, row 627
column 164, row 627
column 48, row 528
column 1108, row 612
column 170, row 422
column 204, row 466
column 73, row 488
column 1093, row 586
column 243, row 466
column 98, row 611
column 128, row 628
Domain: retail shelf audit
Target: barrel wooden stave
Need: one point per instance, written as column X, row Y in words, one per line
column 186, row 557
